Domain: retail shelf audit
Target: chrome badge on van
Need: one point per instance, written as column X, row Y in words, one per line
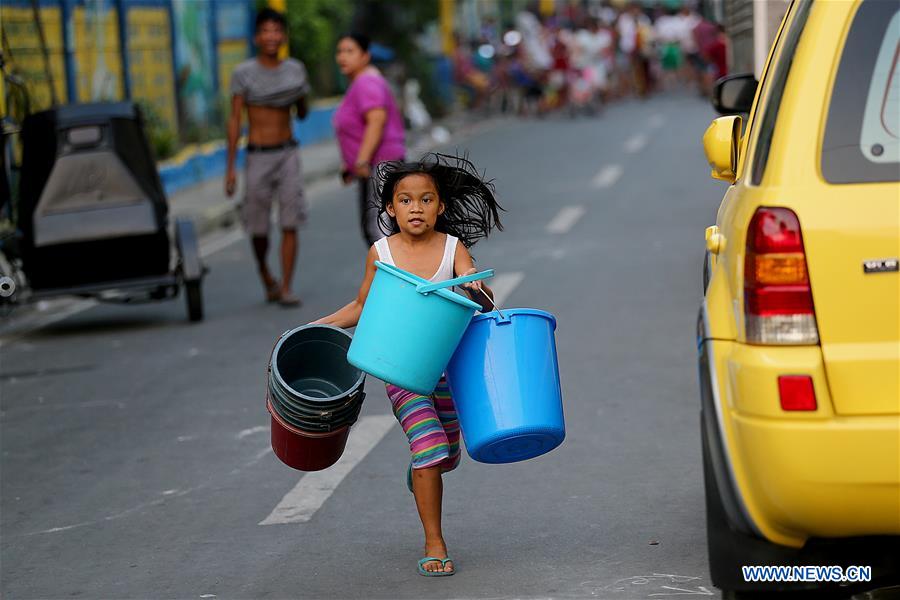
column 883, row 265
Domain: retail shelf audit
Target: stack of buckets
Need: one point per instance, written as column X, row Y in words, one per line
column 502, row 370
column 313, row 396
column 502, row 367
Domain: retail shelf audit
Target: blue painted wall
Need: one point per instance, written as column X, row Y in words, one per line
column 202, row 166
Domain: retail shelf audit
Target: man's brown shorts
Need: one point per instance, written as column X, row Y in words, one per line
column 273, row 175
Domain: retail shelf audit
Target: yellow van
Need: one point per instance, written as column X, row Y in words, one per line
column 799, row 330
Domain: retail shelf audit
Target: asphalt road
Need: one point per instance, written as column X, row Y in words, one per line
column 135, row 452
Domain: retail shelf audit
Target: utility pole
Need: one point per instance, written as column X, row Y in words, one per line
column 48, row 73
column 447, row 10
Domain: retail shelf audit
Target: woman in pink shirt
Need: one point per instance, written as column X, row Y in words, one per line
column 368, row 124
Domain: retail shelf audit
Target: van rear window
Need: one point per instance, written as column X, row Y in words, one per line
column 862, row 134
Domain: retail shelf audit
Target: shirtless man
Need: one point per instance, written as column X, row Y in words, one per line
column 267, row 87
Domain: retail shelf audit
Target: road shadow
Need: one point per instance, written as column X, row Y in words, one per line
column 105, row 325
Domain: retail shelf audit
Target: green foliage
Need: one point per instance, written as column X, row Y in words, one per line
column 164, row 143
column 397, row 24
column 314, row 27
column 163, row 140
column 198, row 134
column 420, row 67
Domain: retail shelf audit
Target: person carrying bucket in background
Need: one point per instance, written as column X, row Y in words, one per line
column 435, row 205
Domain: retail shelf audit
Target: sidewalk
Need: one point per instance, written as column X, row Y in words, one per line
column 210, row 209
column 208, row 206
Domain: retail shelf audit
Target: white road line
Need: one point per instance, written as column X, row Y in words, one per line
column 245, row 432
column 301, row 503
column 635, row 143
column 221, row 241
column 565, row 219
column 66, row 308
column 503, row 285
column 607, row 176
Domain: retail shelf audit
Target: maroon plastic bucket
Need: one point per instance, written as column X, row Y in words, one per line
column 304, row 450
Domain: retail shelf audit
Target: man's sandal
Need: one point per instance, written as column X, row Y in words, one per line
column 273, row 292
column 289, row 300
column 443, row 561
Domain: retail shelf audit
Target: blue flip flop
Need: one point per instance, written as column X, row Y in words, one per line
column 443, row 562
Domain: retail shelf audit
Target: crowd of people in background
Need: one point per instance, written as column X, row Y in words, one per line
column 585, row 58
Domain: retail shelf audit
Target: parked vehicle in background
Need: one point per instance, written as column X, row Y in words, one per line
column 799, row 330
column 91, row 216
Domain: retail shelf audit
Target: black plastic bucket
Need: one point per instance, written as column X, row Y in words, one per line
column 313, row 412
column 311, row 385
column 316, row 421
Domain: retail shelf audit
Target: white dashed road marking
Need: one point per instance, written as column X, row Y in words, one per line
column 565, row 219
column 635, row 143
column 245, row 432
column 313, row 490
column 221, row 241
column 64, row 308
column 503, row 285
column 607, row 176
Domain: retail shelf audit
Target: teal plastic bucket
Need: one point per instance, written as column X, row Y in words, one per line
column 409, row 327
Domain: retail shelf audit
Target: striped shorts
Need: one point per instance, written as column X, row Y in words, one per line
column 430, row 424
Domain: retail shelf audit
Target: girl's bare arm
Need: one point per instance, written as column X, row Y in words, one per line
column 464, row 265
column 348, row 316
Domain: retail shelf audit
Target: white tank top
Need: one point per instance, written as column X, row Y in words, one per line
column 445, row 270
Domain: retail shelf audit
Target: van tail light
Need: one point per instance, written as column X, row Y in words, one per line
column 778, row 304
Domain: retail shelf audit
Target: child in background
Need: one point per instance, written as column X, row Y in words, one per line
column 438, row 208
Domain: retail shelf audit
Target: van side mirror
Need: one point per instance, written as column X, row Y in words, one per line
column 722, row 143
column 734, row 94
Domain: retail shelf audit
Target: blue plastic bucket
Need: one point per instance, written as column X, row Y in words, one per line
column 409, row 328
column 504, row 379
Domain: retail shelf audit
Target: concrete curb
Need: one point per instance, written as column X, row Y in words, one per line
column 200, row 162
column 215, row 217
column 225, row 214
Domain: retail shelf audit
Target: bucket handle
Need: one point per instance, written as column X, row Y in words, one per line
column 503, row 318
column 425, row 288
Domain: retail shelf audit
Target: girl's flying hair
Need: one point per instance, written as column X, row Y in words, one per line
column 470, row 209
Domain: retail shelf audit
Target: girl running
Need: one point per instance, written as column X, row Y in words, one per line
column 439, row 207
